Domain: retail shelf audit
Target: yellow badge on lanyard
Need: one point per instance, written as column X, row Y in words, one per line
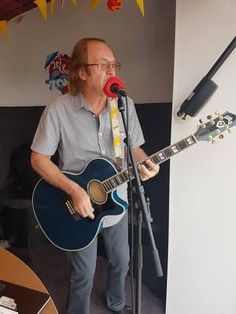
column 115, row 131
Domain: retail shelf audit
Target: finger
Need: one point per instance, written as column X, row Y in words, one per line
column 143, row 173
column 88, row 209
column 91, row 214
column 151, row 165
column 153, row 168
column 144, row 170
column 85, row 212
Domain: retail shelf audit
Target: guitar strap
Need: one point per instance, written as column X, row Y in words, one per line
column 116, row 131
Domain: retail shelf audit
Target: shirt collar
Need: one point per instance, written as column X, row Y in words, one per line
column 81, row 103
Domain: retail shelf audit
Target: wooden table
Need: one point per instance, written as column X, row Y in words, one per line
column 13, row 270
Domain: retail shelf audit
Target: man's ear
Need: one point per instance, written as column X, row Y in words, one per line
column 82, row 74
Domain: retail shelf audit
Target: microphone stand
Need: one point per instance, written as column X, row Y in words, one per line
column 143, row 213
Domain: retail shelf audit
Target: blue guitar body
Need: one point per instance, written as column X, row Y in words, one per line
column 67, row 230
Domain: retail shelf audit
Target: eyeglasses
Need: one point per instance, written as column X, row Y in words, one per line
column 104, row 66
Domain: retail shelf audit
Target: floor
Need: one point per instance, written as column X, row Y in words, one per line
column 52, row 267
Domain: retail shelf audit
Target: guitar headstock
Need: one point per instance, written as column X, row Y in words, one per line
column 215, row 127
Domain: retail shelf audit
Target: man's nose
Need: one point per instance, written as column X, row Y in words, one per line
column 111, row 69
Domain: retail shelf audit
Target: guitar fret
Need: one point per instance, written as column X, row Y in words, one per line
column 174, row 149
column 151, row 158
column 190, row 140
column 116, row 180
column 119, row 179
column 168, row 152
column 113, row 182
column 155, row 159
column 105, row 186
column 161, row 156
column 122, row 175
column 182, row 144
column 125, row 175
column 110, row 184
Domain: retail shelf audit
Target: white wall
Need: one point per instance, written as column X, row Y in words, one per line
column 143, row 45
column 202, row 242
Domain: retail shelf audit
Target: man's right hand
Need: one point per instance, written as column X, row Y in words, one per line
column 81, row 202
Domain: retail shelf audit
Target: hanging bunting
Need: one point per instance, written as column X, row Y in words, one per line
column 141, row 6
column 93, row 4
column 3, row 28
column 52, row 7
column 75, row 2
column 114, row 5
column 42, row 4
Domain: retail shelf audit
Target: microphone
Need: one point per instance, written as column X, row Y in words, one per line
column 114, row 87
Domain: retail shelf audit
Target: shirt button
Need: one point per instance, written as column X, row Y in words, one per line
column 100, row 133
column 103, row 152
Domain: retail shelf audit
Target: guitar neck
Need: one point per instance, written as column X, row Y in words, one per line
column 157, row 158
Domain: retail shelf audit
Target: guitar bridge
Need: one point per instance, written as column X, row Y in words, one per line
column 71, row 210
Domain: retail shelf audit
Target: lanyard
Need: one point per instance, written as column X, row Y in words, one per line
column 115, row 131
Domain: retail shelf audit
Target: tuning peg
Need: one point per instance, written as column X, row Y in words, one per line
column 202, row 125
column 209, row 117
column 213, row 141
column 217, row 113
column 221, row 136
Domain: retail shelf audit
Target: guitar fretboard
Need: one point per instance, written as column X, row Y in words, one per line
column 157, row 158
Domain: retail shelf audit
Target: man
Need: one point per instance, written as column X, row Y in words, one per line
column 79, row 126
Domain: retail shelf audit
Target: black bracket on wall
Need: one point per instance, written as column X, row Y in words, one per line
column 205, row 88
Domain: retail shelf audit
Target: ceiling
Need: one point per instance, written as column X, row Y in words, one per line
column 12, row 8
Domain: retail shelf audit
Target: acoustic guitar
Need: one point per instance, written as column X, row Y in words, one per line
column 54, row 210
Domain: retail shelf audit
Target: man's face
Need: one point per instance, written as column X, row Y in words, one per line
column 95, row 76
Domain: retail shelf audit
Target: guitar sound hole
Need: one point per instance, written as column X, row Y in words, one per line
column 96, row 192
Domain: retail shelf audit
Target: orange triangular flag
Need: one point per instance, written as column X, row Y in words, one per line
column 52, row 7
column 42, row 5
column 141, row 5
column 93, row 4
column 3, row 28
column 75, row 2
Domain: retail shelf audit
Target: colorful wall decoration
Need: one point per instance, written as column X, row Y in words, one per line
column 57, row 67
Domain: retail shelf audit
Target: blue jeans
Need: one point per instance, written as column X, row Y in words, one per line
column 83, row 264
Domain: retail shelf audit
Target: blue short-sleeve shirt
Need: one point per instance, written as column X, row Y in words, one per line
column 80, row 136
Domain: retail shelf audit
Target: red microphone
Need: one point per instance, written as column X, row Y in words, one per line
column 114, row 87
